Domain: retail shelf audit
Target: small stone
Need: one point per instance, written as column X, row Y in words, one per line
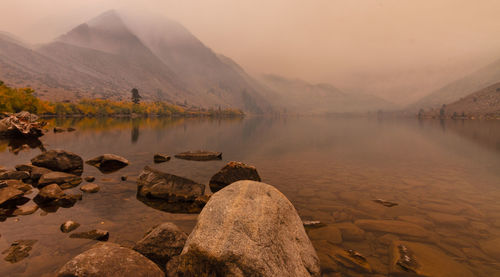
column 90, row 179
column 161, row 158
column 70, row 129
column 385, row 202
column 58, row 130
column 123, row 178
column 18, row 250
column 97, row 234
column 69, row 226
column 90, row 188
column 26, row 209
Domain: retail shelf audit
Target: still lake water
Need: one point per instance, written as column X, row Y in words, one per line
column 330, row 168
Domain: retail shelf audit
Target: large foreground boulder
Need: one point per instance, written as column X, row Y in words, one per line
column 161, row 243
column 108, row 163
column 232, row 172
column 22, row 124
column 169, row 192
column 247, row 229
column 60, row 160
column 109, row 259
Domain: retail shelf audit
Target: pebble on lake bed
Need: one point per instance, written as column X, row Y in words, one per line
column 69, row 226
column 90, row 179
column 90, row 188
column 385, row 202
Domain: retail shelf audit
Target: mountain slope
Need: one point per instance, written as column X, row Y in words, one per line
column 482, row 103
column 477, row 80
column 298, row 96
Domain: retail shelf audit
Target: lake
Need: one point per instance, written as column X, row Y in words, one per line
column 444, row 176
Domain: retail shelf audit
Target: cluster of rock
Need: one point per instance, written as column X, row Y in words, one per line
column 22, row 124
column 246, row 229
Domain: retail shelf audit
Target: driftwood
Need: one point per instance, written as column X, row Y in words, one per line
column 23, row 124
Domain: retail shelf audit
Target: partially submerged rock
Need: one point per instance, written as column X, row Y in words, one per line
column 232, row 172
column 247, row 229
column 161, row 158
column 18, row 250
column 392, row 226
column 109, row 259
column 161, row 243
column 97, row 234
column 53, row 195
column 69, row 226
column 90, row 179
column 313, row 224
column 199, row 155
column 14, row 175
column 108, row 163
column 9, row 194
column 90, row 188
column 26, row 209
column 60, row 160
column 385, row 202
column 35, row 171
column 17, row 184
column 22, row 124
column 64, row 180
column 170, row 192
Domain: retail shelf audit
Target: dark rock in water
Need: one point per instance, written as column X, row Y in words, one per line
column 71, row 129
column 161, row 158
column 21, row 124
column 173, row 193
column 9, row 194
column 35, row 171
column 101, row 235
column 161, row 243
column 109, row 259
column 385, row 202
column 69, row 226
column 14, row 175
column 108, row 163
column 58, row 130
column 90, row 179
column 123, row 178
column 247, row 229
column 53, row 195
column 26, row 209
column 90, row 188
column 199, row 155
column 18, row 250
column 232, row 172
column 64, row 180
column 60, row 160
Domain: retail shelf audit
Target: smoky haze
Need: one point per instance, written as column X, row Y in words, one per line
column 400, row 50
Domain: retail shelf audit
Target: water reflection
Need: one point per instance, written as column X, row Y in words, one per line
column 16, row 145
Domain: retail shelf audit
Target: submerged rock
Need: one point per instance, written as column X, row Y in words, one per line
column 109, row 259
column 199, row 155
column 161, row 243
column 90, row 179
column 97, row 234
column 22, row 124
column 60, row 160
column 90, row 188
column 70, row 129
column 59, row 130
column 392, row 226
column 170, row 192
column 108, row 163
column 350, row 232
column 64, row 180
column 328, row 233
column 14, row 175
column 247, row 229
column 69, row 226
column 385, row 202
column 123, row 178
column 18, row 250
column 161, row 158
column 232, row 172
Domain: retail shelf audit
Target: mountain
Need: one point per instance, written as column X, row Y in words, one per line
column 475, row 81
column 298, row 96
column 484, row 103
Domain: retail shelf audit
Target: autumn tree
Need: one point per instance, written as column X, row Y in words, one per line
column 136, row 98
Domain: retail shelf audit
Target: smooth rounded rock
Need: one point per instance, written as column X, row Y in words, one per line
column 90, row 188
column 60, row 160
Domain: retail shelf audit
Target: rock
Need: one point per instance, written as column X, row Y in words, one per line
column 69, row 226
column 351, row 259
column 9, row 194
column 177, row 194
column 109, row 259
column 161, row 243
column 123, row 178
column 328, row 233
column 90, row 188
column 35, row 171
column 64, row 180
column 22, row 124
column 90, row 179
column 232, row 172
column 97, row 234
column 199, row 155
column 60, row 160
column 18, row 250
column 424, row 260
column 247, row 229
column 108, row 163
column 385, row 202
column 448, row 219
column 17, row 184
column 53, row 195
column 14, row 175
column 50, row 192
column 491, row 248
column 59, row 130
column 26, row 209
column 313, row 224
column 70, row 129
column 161, row 158
column 350, row 232
column 392, row 226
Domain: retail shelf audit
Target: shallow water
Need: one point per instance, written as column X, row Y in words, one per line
column 445, row 177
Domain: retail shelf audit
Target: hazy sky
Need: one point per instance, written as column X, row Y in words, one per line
column 399, row 49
